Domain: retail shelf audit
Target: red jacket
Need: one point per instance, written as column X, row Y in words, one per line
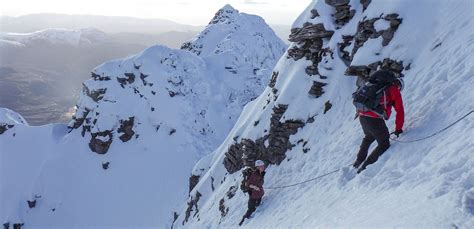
column 256, row 178
column 391, row 97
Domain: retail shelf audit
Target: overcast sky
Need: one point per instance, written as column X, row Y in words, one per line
column 194, row 12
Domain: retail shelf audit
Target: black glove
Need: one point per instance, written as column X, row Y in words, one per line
column 397, row 132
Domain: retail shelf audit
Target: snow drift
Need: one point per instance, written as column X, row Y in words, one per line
column 303, row 125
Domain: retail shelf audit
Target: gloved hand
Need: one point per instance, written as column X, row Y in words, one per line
column 397, row 132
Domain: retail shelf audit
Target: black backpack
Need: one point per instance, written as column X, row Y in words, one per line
column 243, row 184
column 367, row 97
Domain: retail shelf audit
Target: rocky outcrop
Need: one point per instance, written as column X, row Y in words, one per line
column 192, row 204
column 126, row 127
column 365, row 4
column 100, row 142
column 193, row 181
column 317, row 89
column 343, row 11
column 309, row 44
column 128, row 78
column 95, row 95
column 97, row 77
column 364, row 71
column 366, row 31
column 270, row 148
column 5, row 127
column 273, row 79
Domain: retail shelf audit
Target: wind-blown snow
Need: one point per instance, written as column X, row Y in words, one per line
column 180, row 105
column 427, row 184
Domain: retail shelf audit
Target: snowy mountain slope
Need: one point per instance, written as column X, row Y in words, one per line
column 57, row 36
column 302, row 124
column 148, row 118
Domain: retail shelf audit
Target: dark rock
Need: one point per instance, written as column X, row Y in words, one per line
column 126, row 127
column 6, row 225
column 222, row 208
column 128, row 79
column 193, row 181
column 97, row 77
column 327, row 106
column 175, row 217
column 95, row 95
column 192, row 204
column 172, row 131
column 310, row 31
column 105, row 165
column 273, row 80
column 5, row 127
column 143, row 77
column 256, row 123
column 317, row 89
column 247, row 151
column 335, row 3
column 98, row 145
column 358, row 71
column 314, row 14
column 31, row 203
column 312, row 70
column 408, row 67
column 18, row 225
column 231, row 192
column 365, row 4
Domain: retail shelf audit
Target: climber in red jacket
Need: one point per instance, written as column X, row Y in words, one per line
column 374, row 126
column 256, row 192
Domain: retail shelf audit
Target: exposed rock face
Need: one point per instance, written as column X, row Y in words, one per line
column 99, row 77
column 365, row 4
column 309, row 44
column 273, row 79
column 126, row 127
column 366, row 31
column 308, row 32
column 343, row 11
column 192, row 203
column 95, row 95
column 100, row 142
column 193, row 181
column 317, row 89
column 248, row 151
column 364, row 71
column 128, row 79
column 5, row 127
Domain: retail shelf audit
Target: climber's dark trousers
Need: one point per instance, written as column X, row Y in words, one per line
column 252, row 206
column 374, row 130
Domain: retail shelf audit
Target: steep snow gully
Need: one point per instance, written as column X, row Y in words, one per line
column 303, row 125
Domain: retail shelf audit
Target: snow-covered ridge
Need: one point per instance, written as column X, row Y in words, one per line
column 141, row 124
column 302, row 125
column 57, row 36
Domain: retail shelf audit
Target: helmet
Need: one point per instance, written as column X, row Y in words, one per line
column 400, row 83
column 259, row 163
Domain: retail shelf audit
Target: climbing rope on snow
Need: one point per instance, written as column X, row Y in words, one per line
column 401, row 141
column 306, row 181
column 437, row 132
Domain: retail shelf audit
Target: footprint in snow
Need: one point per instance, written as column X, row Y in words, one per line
column 347, row 174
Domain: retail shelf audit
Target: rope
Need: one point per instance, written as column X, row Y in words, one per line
column 436, row 133
column 306, row 181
